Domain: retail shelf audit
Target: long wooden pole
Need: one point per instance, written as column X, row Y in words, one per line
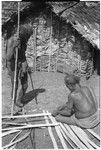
column 94, row 134
column 32, row 135
column 19, row 140
column 58, row 48
column 57, row 128
column 80, row 63
column 30, row 75
column 15, row 73
column 15, row 137
column 67, row 138
column 9, row 132
column 6, row 47
column 31, row 126
column 83, row 137
column 34, row 44
column 74, row 137
column 27, row 116
column 51, row 133
column 50, row 44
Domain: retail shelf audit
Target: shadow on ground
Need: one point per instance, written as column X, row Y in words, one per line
column 32, row 95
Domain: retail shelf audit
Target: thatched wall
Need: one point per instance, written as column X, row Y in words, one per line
column 74, row 53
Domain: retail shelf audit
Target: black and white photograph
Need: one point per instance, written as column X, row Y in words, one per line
column 50, row 74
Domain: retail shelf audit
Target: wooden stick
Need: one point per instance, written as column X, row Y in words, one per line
column 30, row 75
column 72, row 136
column 51, row 133
column 94, row 134
column 67, row 138
column 31, row 126
column 15, row 137
column 19, row 140
column 50, row 44
column 35, row 45
column 15, row 73
column 57, row 128
column 59, row 46
column 84, row 137
column 16, row 124
column 9, row 132
column 12, row 147
column 26, row 116
column 33, row 134
column 81, row 136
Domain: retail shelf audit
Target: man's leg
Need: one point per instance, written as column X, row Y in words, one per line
column 24, row 84
column 12, row 82
column 61, row 110
column 67, row 120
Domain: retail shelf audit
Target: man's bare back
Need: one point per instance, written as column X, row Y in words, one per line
column 83, row 103
column 81, row 108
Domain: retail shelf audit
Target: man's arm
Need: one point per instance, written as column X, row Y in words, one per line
column 9, row 55
column 66, row 109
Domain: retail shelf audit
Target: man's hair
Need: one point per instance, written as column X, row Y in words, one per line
column 71, row 79
column 25, row 32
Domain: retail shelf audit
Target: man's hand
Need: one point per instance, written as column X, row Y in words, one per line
column 30, row 69
column 55, row 113
column 17, row 43
column 62, row 107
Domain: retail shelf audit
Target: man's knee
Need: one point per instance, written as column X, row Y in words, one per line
column 25, row 86
column 63, row 119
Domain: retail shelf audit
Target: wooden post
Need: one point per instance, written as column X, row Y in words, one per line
column 18, row 140
column 27, row 116
column 51, row 133
column 50, row 44
column 83, row 137
column 80, row 63
column 15, row 73
column 31, row 126
column 34, row 44
column 35, row 47
column 66, row 54
column 6, row 49
column 57, row 128
column 58, row 49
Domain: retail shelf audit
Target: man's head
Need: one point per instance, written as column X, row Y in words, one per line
column 71, row 81
column 25, row 31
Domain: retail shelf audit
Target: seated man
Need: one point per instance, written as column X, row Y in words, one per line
column 81, row 108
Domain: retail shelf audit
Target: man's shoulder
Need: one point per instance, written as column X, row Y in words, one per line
column 85, row 88
column 12, row 39
column 75, row 94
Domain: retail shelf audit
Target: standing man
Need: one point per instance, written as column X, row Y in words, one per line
column 25, row 32
column 81, row 109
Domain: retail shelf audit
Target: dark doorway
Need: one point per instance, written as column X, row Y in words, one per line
column 96, row 61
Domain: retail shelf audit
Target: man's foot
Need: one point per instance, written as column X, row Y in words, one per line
column 55, row 113
column 18, row 113
column 19, row 104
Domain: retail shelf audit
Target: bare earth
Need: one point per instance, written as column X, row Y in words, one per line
column 51, row 93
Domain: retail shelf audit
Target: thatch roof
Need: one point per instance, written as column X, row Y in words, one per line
column 84, row 16
column 11, row 8
column 10, row 11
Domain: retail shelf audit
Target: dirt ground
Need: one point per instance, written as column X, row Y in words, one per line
column 51, row 93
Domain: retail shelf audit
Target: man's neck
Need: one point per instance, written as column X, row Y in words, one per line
column 77, row 87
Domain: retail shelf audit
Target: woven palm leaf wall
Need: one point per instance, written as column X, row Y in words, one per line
column 68, row 53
